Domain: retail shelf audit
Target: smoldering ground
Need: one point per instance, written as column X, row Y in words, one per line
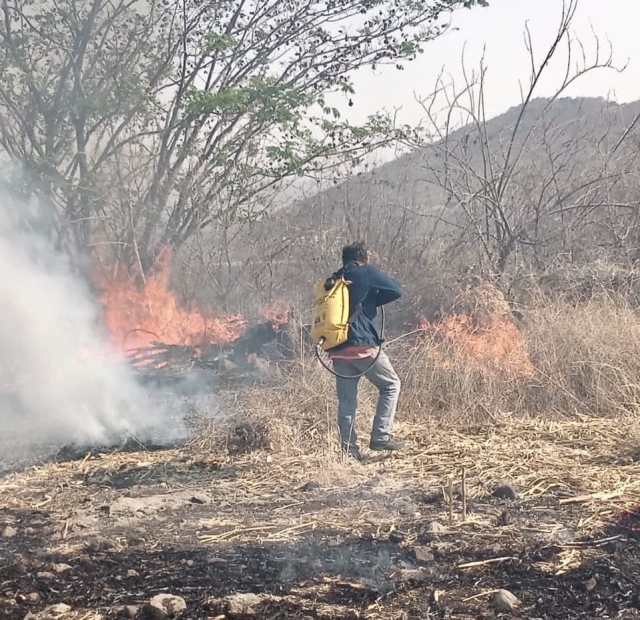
column 59, row 383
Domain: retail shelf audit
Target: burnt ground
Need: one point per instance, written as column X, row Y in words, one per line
column 326, row 539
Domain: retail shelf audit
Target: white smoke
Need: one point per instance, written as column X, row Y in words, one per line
column 59, row 385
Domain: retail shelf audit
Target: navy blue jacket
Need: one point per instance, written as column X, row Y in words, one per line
column 372, row 288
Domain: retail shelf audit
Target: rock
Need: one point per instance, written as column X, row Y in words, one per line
column 61, row 568
column 411, row 574
column 135, row 540
column 43, row 574
column 238, row 606
column 164, row 606
column 437, row 528
column 99, row 543
column 200, row 498
column 505, row 491
column 129, row 611
column 59, row 608
column 132, row 574
column 190, row 563
column 505, row 601
column 32, row 597
column 423, row 554
column 242, row 605
column 9, row 532
column 52, row 612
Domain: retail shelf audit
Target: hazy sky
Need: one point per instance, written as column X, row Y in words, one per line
column 500, row 28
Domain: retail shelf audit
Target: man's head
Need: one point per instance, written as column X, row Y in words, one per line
column 355, row 252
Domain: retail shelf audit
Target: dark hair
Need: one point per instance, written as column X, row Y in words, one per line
column 354, row 252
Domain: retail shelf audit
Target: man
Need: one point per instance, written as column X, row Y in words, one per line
column 370, row 288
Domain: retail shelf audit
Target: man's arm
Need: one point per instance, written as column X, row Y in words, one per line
column 384, row 288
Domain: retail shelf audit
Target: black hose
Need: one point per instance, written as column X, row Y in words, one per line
column 373, row 363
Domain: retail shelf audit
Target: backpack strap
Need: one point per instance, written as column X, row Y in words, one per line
column 356, row 313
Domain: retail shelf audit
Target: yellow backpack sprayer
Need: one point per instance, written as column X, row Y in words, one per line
column 331, row 320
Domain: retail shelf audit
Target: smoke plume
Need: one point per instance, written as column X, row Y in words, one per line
column 59, row 383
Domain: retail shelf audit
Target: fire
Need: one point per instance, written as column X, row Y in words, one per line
column 277, row 313
column 137, row 316
column 491, row 345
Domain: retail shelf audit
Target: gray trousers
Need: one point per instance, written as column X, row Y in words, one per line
column 384, row 377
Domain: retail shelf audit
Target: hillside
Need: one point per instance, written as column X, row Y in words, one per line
column 408, row 185
column 570, row 198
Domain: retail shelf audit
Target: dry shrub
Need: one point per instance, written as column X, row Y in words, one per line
column 438, row 381
column 300, row 409
column 562, row 359
column 471, row 364
column 581, row 283
column 301, row 415
column 480, row 300
column 569, row 358
column 247, row 436
column 236, row 434
column 587, row 356
column 228, row 428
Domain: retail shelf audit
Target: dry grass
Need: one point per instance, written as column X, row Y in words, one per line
column 587, row 357
column 560, row 360
column 590, row 462
column 555, row 415
column 587, row 461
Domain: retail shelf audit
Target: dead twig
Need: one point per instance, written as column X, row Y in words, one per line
column 487, row 562
column 591, row 544
column 592, row 497
column 464, row 494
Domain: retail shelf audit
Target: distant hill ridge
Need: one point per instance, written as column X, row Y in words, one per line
column 406, row 182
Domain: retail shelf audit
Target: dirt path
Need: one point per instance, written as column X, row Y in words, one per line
column 325, row 539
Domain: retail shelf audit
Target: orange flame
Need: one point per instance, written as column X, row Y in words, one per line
column 492, row 345
column 137, row 317
column 277, row 313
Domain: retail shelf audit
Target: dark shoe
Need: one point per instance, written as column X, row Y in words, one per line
column 354, row 453
column 391, row 444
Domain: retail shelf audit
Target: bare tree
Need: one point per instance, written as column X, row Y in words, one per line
column 527, row 190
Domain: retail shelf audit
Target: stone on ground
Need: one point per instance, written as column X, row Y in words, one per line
column 437, row 528
column 9, row 532
column 505, row 491
column 242, row 605
column 164, row 606
column 59, row 611
column 505, row 601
